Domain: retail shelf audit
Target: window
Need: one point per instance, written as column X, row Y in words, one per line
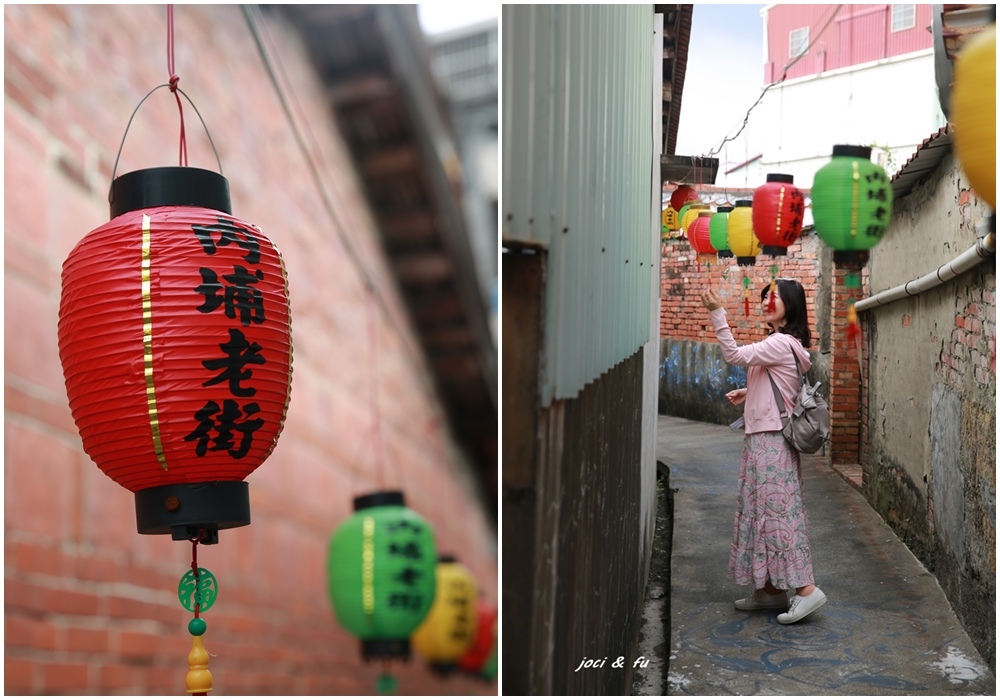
column 798, row 40
column 903, row 17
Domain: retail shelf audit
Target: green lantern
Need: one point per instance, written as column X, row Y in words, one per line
column 718, row 232
column 490, row 667
column 852, row 204
column 382, row 574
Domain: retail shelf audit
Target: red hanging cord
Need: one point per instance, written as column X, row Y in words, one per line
column 174, row 79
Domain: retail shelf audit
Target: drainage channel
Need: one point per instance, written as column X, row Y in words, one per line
column 653, row 654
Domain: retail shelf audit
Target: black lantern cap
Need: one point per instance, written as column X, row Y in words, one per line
column 381, row 498
column 780, row 177
column 447, row 559
column 773, row 250
column 724, row 209
column 170, row 186
column 184, row 510
column 853, row 151
column 383, row 649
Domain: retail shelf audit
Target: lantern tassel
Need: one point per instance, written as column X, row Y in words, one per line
column 746, row 295
column 386, row 683
column 853, row 328
column 199, row 678
column 774, row 289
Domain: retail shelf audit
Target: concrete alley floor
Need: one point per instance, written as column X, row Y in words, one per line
column 886, row 629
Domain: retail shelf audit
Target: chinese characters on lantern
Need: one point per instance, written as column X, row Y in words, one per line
column 229, row 424
column 876, row 188
column 407, row 581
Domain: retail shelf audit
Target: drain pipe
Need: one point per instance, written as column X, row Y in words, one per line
column 984, row 248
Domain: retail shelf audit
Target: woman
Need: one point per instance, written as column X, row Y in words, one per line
column 770, row 533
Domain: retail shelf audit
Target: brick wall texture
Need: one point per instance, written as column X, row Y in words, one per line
column 90, row 606
column 682, row 282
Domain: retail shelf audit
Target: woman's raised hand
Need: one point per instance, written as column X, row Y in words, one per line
column 737, row 396
column 711, row 300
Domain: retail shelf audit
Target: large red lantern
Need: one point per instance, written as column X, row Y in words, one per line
column 682, row 195
column 175, row 342
column 778, row 207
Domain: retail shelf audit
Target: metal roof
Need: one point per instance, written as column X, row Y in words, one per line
column 921, row 164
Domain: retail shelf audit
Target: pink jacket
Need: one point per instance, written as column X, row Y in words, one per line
column 774, row 352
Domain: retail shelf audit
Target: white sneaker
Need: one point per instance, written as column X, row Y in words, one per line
column 762, row 600
column 802, row 606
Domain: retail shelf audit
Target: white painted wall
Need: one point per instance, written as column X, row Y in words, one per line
column 890, row 103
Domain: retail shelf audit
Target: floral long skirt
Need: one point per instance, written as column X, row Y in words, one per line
column 771, row 529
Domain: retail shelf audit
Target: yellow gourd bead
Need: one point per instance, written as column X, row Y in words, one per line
column 199, row 678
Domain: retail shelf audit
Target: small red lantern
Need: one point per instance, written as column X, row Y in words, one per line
column 699, row 234
column 681, row 196
column 778, row 207
column 485, row 639
column 174, row 337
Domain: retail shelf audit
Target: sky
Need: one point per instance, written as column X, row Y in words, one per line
column 441, row 16
column 725, row 76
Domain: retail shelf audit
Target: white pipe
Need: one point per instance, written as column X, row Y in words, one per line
column 984, row 248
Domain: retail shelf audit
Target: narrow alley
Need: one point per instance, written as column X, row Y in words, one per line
column 887, row 628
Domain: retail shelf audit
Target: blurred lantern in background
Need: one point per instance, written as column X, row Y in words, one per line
column 449, row 628
column 719, row 232
column 489, row 671
column 669, row 222
column 690, row 215
column 698, row 236
column 778, row 208
column 483, row 641
column 743, row 243
column 381, row 568
column 175, row 341
column 974, row 111
column 681, row 196
column 852, row 205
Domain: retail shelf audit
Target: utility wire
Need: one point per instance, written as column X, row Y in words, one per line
column 784, row 74
column 255, row 22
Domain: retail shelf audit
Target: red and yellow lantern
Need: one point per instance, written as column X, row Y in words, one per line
column 447, row 631
column 699, row 237
column 175, row 341
column 743, row 243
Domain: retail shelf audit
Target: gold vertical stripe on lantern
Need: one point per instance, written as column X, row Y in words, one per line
column 856, row 180
column 777, row 219
column 147, row 343
column 368, row 566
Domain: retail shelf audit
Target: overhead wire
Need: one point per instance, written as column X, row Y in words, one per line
column 784, row 74
column 255, row 22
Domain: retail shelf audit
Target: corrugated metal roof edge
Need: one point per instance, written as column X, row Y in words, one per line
column 924, row 160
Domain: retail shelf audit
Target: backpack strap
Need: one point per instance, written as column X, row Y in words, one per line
column 777, row 397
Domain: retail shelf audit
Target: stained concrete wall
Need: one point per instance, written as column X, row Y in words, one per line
column 930, row 468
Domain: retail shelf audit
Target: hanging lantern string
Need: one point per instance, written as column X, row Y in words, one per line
column 194, row 569
column 174, row 79
column 374, row 374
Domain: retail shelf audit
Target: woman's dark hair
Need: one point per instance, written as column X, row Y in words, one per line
column 793, row 296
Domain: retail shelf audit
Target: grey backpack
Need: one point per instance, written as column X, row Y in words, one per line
column 808, row 427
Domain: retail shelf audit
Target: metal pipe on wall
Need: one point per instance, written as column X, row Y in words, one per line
column 984, row 248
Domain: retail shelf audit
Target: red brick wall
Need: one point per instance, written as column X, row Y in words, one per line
column 89, row 605
column 682, row 316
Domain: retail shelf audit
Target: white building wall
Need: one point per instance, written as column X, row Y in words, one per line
column 889, row 104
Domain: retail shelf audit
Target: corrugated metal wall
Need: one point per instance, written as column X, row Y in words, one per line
column 577, row 154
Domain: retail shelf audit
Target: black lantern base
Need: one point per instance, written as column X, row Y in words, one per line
column 850, row 259
column 725, row 254
column 385, row 649
column 184, row 510
column 745, row 262
column 774, row 250
column 443, row 669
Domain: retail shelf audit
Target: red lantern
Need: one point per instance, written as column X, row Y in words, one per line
column 778, row 207
column 482, row 644
column 174, row 337
column 699, row 236
column 681, row 196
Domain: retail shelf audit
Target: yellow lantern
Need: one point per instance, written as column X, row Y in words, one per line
column 742, row 240
column 450, row 627
column 974, row 112
column 669, row 219
column 691, row 214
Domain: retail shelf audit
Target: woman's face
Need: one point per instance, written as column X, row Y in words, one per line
column 776, row 318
